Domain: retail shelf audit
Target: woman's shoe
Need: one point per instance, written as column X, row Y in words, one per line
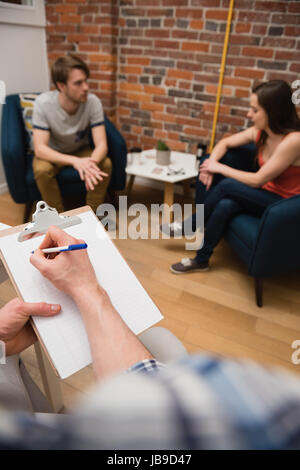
column 188, row 265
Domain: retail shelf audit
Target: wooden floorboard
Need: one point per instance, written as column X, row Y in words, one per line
column 211, row 312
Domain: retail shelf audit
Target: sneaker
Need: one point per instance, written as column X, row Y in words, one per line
column 188, row 265
column 174, row 229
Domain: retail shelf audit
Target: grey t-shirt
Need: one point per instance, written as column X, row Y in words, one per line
column 68, row 133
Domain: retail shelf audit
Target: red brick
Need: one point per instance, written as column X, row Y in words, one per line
column 88, row 47
column 130, row 87
column 237, row 82
column 178, row 33
column 257, row 52
column 65, row 8
column 195, row 46
column 292, row 31
column 196, row 24
column 154, row 90
column 189, row 13
column 139, row 61
column 102, row 58
column 242, row 93
column 294, row 7
column 109, row 30
column 248, row 73
column 152, row 107
column 70, row 19
column 65, row 28
column 295, row 67
column 157, row 33
column 181, row 74
column 259, row 29
column 78, row 38
column 177, row 145
column 167, row 44
column 270, row 6
column 131, row 70
column 158, row 12
column 195, row 131
column 287, row 55
column 253, row 17
column 242, row 27
column 216, row 15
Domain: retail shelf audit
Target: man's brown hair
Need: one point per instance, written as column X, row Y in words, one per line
column 64, row 65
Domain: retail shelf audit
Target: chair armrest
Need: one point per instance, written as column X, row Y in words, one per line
column 277, row 248
column 14, row 149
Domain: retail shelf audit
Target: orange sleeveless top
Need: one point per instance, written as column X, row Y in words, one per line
column 287, row 184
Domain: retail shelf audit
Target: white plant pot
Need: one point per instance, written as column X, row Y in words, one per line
column 163, row 157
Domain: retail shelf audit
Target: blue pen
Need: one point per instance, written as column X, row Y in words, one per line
column 58, row 249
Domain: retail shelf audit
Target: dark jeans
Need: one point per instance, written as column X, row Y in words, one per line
column 226, row 198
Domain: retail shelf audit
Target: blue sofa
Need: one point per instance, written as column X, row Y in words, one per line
column 269, row 245
column 17, row 162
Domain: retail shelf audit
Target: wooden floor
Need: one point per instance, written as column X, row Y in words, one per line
column 213, row 311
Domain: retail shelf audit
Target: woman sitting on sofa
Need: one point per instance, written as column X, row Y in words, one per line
column 250, row 186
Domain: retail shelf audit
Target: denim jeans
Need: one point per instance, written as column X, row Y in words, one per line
column 226, row 198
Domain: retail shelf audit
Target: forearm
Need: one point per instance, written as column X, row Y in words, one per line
column 46, row 153
column 246, row 177
column 219, row 150
column 99, row 152
column 113, row 345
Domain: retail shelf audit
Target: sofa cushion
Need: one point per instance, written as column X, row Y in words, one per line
column 27, row 103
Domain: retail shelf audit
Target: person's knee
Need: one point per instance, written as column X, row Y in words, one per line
column 227, row 206
column 228, row 186
column 106, row 165
column 43, row 169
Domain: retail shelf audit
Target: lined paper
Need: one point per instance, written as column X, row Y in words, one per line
column 64, row 335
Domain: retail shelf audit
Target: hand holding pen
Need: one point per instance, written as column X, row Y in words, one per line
column 70, row 270
column 59, row 249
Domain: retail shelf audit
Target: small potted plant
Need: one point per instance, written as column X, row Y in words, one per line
column 163, row 153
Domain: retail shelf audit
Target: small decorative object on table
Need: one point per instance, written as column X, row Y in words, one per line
column 163, row 153
column 135, row 155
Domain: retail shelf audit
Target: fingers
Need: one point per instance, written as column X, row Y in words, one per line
column 81, row 173
column 41, row 309
column 53, row 238
column 56, row 237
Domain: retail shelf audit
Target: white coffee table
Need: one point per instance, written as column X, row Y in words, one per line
column 148, row 168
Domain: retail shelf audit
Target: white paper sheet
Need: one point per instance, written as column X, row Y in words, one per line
column 64, row 335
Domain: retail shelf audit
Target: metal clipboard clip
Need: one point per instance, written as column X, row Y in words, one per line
column 43, row 218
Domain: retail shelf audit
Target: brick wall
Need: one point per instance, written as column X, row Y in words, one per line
column 88, row 28
column 155, row 63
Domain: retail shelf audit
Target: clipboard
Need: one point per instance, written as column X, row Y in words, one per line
column 135, row 286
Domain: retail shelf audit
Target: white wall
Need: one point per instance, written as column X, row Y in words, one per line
column 23, row 54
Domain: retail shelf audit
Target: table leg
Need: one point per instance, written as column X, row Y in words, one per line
column 186, row 188
column 130, row 184
column 168, row 201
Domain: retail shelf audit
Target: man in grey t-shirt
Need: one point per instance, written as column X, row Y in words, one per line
column 61, row 123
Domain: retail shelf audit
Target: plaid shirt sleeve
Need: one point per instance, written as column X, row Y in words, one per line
column 201, row 402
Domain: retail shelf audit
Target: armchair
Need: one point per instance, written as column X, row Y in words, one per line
column 17, row 162
column 268, row 245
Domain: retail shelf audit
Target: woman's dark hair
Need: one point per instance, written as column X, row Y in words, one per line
column 275, row 97
column 64, row 65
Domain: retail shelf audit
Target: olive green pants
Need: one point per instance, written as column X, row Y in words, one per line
column 45, row 176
